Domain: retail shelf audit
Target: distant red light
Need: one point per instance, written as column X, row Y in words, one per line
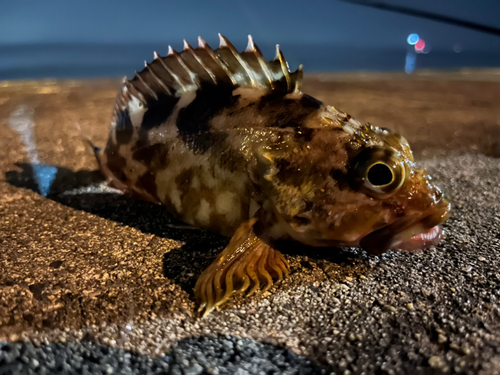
column 420, row 45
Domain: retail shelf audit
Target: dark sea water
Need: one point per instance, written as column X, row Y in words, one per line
column 99, row 60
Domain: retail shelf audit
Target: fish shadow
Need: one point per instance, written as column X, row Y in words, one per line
column 336, row 255
column 50, row 180
column 85, row 190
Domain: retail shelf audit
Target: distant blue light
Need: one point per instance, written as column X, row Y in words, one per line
column 412, row 39
column 44, row 176
column 411, row 59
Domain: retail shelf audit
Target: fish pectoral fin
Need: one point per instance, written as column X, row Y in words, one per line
column 246, row 261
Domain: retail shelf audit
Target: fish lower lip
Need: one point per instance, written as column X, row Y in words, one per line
column 383, row 239
column 409, row 233
column 423, row 240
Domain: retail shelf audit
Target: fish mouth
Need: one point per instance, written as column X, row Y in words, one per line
column 409, row 233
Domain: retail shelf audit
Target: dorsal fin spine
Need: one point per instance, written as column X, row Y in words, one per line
column 216, row 59
column 284, row 67
column 238, row 58
column 120, row 103
column 223, row 42
column 182, row 63
column 173, row 52
column 159, row 81
column 250, row 44
column 172, row 74
column 120, row 98
column 137, row 93
column 199, row 61
column 201, row 42
column 182, row 73
column 252, row 47
column 298, row 80
column 148, row 88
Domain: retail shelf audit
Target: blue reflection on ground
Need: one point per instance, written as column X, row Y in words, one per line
column 22, row 121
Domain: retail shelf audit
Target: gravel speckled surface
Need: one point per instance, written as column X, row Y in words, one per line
column 94, row 279
column 196, row 355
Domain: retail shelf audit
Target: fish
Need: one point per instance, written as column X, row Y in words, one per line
column 228, row 142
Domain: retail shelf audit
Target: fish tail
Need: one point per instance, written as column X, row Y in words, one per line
column 96, row 150
column 90, row 146
column 100, row 162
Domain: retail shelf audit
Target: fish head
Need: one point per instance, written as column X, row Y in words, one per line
column 358, row 186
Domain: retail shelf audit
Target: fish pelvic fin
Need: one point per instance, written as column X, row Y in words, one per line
column 247, row 262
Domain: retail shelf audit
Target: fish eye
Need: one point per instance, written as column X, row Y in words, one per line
column 380, row 174
column 378, row 171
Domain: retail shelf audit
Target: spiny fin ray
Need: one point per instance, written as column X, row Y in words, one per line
column 185, row 71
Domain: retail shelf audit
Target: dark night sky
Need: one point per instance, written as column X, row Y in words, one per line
column 129, row 21
column 104, row 38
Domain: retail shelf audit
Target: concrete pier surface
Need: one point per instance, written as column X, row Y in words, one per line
column 92, row 281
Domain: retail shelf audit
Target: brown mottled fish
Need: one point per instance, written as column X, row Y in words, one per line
column 227, row 141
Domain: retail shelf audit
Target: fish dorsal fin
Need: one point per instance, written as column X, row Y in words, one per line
column 186, row 71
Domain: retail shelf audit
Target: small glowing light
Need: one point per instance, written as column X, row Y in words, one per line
column 457, row 48
column 410, row 64
column 412, row 39
column 21, row 120
column 420, row 45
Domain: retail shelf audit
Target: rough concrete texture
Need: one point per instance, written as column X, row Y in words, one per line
column 93, row 281
column 195, row 355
